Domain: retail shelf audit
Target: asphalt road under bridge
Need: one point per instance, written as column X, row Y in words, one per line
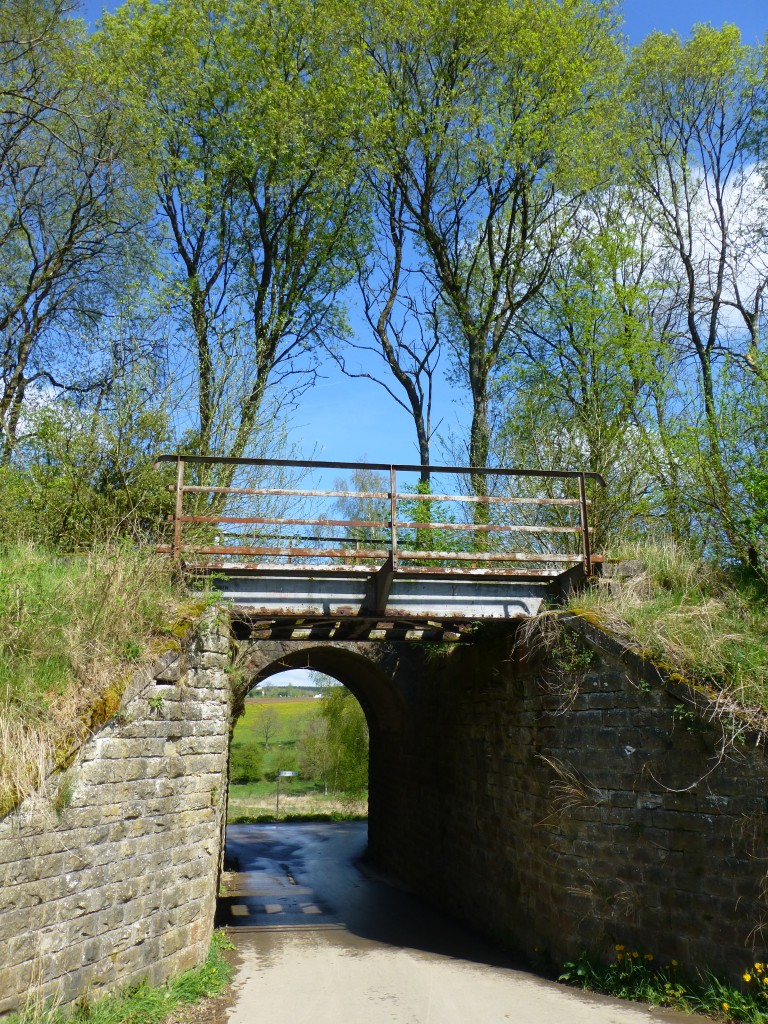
column 320, row 941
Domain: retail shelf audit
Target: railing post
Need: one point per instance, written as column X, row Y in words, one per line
column 179, row 510
column 393, row 516
column 586, row 546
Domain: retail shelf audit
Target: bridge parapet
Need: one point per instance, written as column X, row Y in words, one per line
column 384, row 543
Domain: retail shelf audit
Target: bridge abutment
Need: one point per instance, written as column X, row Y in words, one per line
column 563, row 796
column 574, row 799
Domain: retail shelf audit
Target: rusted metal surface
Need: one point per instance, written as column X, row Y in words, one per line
column 488, row 528
column 263, row 528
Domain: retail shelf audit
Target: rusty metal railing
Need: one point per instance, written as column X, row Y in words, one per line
column 218, row 525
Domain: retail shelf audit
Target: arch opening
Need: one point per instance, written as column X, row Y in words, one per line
column 299, row 748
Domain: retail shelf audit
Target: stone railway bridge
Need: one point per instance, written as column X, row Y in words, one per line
column 531, row 776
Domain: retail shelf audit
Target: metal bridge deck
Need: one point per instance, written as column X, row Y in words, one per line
column 379, row 549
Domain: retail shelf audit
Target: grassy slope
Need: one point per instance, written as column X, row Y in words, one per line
column 291, row 718
column 691, row 617
column 72, row 629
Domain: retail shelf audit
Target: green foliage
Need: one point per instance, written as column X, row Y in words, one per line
column 143, row 1003
column 333, row 746
column 65, row 623
column 489, row 134
column 703, row 621
column 347, row 740
column 82, row 475
column 696, row 105
column 636, row 975
column 252, row 147
column 246, row 762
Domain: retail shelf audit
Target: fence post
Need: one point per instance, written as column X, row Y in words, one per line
column 586, row 546
column 393, row 516
column 179, row 510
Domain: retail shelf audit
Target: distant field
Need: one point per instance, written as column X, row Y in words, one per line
column 290, row 717
column 292, row 714
column 258, row 799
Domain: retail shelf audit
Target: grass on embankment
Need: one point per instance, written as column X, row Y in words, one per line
column 72, row 629
column 142, row 1003
column 636, row 976
column 692, row 618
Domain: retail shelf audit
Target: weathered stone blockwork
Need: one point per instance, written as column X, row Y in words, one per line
column 114, row 877
column 571, row 821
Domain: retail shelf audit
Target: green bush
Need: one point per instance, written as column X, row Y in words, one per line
column 246, row 762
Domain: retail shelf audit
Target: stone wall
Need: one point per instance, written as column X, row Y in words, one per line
column 580, row 800
column 113, row 877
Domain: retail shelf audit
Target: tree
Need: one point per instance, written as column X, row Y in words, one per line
column 68, row 215
column 696, row 105
column 334, row 747
column 316, row 758
column 246, row 763
column 267, row 723
column 400, row 308
column 84, row 473
column 252, row 115
column 489, row 109
column 588, row 357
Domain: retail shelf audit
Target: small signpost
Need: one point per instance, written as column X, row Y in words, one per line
column 281, row 775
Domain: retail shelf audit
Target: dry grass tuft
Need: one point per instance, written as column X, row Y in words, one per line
column 72, row 628
column 692, row 617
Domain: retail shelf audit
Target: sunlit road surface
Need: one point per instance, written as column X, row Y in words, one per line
column 320, row 943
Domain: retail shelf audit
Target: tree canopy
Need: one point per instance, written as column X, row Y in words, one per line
column 200, row 203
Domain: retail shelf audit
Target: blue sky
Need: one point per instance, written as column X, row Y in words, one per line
column 346, row 420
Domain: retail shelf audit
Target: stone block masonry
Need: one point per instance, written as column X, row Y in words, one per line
column 113, row 876
column 581, row 799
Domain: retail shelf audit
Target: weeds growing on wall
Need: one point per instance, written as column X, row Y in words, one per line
column 706, row 622
column 637, row 975
column 71, row 628
column 142, row 1003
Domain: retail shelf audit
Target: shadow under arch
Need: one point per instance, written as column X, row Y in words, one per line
column 362, row 673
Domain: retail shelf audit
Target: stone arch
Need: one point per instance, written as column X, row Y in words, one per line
column 372, row 672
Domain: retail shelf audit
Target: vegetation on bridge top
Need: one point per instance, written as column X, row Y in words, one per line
column 693, row 618
column 72, row 630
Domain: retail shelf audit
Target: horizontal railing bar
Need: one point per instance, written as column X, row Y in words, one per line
column 374, row 524
column 489, row 528
column 378, row 495
column 487, row 556
column 426, row 570
column 210, row 460
column 305, row 537
column 259, row 521
column 215, row 549
column 305, row 568
column 483, row 500
column 283, row 491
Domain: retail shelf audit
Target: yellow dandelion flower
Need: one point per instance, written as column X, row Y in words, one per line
column 619, row 949
column 648, row 956
column 759, row 968
column 635, row 955
column 619, row 956
column 747, row 976
column 726, row 1007
column 675, row 963
column 765, row 981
